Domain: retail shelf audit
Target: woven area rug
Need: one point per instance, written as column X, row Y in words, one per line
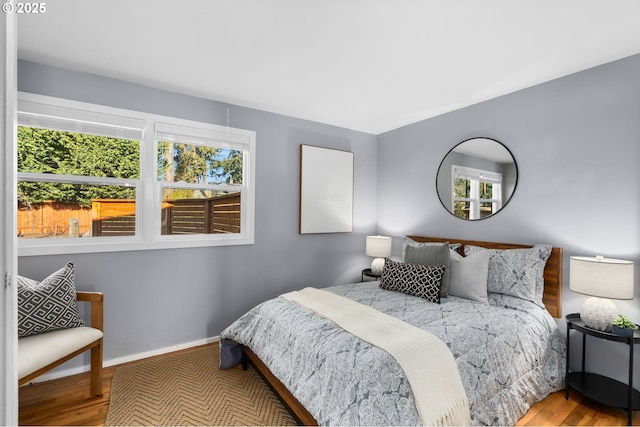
column 187, row 388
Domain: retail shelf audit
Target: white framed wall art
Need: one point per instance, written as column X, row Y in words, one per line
column 326, row 190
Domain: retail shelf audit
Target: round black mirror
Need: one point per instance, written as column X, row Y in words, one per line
column 476, row 178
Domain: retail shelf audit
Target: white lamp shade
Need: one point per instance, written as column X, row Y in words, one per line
column 378, row 246
column 601, row 277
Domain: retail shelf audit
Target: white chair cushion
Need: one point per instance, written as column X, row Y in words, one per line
column 37, row 351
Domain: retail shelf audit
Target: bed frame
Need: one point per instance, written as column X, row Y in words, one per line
column 552, row 299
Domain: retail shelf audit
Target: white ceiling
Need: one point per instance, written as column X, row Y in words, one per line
column 367, row 65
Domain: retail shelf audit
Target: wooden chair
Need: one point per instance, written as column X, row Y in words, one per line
column 39, row 353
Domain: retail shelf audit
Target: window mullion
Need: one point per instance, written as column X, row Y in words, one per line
column 147, row 214
column 212, row 187
column 475, row 199
column 76, row 179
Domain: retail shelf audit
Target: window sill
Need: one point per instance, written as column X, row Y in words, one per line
column 64, row 246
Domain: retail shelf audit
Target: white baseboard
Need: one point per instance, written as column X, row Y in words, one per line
column 124, row 359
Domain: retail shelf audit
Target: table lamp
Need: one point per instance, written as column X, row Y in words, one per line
column 379, row 247
column 601, row 278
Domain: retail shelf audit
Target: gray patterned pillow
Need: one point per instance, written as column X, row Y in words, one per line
column 516, row 272
column 48, row 305
column 413, row 279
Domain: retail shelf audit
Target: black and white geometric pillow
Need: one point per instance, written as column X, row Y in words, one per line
column 413, row 279
column 48, row 305
column 432, row 255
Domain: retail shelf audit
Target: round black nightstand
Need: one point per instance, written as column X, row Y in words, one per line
column 367, row 272
column 595, row 386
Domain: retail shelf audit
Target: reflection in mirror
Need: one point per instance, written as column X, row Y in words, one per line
column 476, row 178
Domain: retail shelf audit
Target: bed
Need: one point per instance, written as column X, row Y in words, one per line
column 506, row 345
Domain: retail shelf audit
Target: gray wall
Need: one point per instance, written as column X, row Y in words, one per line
column 161, row 298
column 576, row 141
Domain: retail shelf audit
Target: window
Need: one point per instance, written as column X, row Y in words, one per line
column 92, row 178
column 200, row 177
column 477, row 193
column 65, row 178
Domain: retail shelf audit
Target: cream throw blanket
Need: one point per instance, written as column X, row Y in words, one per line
column 426, row 361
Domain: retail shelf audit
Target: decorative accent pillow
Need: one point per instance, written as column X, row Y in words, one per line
column 409, row 245
column 413, row 279
column 408, row 241
column 48, row 305
column 431, row 255
column 516, row 272
column 469, row 276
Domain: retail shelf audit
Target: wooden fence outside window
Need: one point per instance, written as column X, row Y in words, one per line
column 116, row 217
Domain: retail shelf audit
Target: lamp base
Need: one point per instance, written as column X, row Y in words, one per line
column 377, row 265
column 598, row 313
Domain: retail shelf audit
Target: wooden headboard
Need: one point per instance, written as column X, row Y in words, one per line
column 552, row 297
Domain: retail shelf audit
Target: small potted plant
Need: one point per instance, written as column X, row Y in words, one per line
column 623, row 326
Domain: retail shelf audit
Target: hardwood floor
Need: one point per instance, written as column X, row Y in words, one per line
column 577, row 411
column 66, row 401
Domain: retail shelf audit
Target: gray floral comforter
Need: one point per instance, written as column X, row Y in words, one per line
column 509, row 353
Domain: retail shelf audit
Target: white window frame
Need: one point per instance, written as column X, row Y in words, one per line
column 476, row 176
column 148, row 188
